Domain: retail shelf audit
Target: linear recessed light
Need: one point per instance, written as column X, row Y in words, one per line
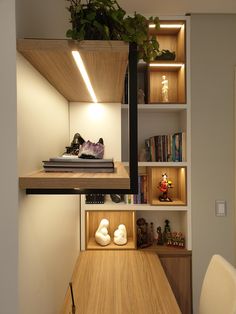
column 167, row 25
column 177, row 65
column 80, row 64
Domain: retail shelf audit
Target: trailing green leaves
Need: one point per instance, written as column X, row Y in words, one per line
column 106, row 20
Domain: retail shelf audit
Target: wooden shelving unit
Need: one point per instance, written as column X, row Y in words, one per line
column 105, row 61
column 69, row 180
column 172, row 39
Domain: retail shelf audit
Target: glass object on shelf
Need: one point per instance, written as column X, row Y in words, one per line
column 101, row 236
column 165, row 89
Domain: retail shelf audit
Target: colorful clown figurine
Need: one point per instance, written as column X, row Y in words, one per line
column 164, row 185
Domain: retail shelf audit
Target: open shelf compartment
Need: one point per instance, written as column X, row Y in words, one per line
column 176, row 83
column 177, row 193
column 92, row 221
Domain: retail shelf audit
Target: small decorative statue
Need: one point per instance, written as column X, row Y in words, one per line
column 142, row 233
column 101, row 236
column 166, row 230
column 159, row 236
column 151, row 233
column 164, row 185
column 120, row 235
column 85, row 149
column 141, row 96
column 165, row 89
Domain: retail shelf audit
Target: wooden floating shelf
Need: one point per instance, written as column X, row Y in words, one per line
column 166, row 250
column 69, row 180
column 92, row 245
column 105, row 61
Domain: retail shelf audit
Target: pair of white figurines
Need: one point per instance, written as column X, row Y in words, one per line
column 103, row 238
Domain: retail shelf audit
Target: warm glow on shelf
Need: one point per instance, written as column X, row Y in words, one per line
column 177, row 65
column 167, row 25
column 81, row 67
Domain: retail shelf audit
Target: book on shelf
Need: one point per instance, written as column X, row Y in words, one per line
column 142, row 196
column 75, row 164
column 166, row 148
column 76, row 169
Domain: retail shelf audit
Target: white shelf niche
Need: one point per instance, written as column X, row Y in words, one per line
column 151, row 124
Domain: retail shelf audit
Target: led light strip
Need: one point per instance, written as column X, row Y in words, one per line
column 177, row 65
column 167, row 25
column 81, row 67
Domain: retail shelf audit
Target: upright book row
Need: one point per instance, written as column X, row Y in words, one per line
column 166, row 148
column 142, row 196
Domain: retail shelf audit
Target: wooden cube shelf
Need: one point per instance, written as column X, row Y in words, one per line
column 176, row 83
column 178, row 192
column 92, row 221
column 172, row 39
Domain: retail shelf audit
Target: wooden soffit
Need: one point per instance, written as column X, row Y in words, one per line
column 105, row 61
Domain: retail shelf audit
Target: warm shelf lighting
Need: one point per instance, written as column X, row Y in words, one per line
column 80, row 64
column 167, row 25
column 176, row 65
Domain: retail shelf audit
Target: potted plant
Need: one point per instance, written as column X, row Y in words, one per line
column 106, row 20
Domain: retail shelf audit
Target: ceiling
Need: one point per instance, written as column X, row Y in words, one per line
column 50, row 19
column 179, row 7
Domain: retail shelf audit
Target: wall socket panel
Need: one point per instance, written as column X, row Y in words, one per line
column 220, row 208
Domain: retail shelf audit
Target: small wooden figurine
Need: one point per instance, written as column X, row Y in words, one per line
column 159, row 236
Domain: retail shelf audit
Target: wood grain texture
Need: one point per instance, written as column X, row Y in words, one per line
column 163, row 250
column 68, row 180
column 178, row 272
column 105, row 62
column 129, row 282
column 93, row 219
column 178, row 193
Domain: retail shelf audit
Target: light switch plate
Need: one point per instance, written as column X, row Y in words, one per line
column 220, row 208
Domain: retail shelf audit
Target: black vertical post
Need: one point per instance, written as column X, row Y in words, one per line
column 133, row 119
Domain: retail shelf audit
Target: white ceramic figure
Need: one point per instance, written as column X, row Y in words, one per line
column 101, row 236
column 120, row 235
column 165, row 89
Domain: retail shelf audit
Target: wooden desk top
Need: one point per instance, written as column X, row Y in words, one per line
column 120, row 282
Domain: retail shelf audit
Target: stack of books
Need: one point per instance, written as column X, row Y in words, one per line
column 164, row 148
column 75, row 164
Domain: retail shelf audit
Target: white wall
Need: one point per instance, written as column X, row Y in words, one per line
column 8, row 163
column 48, row 225
column 213, row 58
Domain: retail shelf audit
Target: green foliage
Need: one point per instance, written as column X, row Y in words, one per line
column 106, row 20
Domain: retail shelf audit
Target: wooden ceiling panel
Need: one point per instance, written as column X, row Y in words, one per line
column 105, row 61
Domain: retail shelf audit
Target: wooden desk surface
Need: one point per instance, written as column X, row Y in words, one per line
column 120, row 282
